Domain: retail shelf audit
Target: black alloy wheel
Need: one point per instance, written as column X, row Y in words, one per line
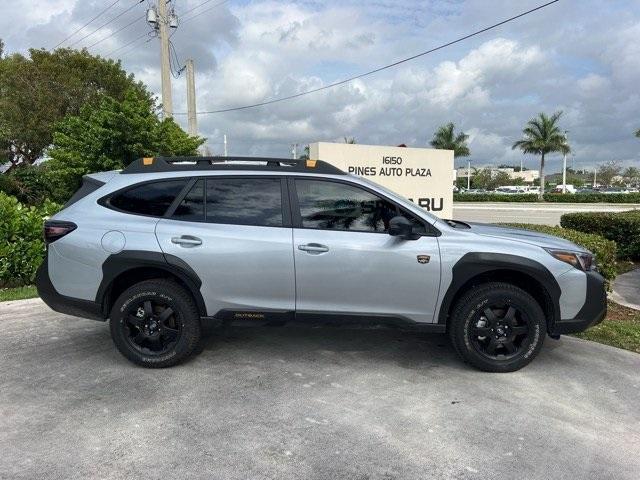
column 152, row 327
column 155, row 323
column 497, row 327
column 500, row 331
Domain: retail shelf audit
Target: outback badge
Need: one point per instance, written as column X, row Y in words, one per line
column 424, row 258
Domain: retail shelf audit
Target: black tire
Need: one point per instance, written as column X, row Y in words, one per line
column 497, row 327
column 155, row 324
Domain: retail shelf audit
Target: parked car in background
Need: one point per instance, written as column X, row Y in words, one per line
column 476, row 191
column 612, row 190
column 510, row 190
column 565, row 188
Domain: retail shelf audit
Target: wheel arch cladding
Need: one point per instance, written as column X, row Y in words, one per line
column 126, row 268
column 479, row 267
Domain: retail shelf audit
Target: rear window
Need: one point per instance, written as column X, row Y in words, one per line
column 153, row 198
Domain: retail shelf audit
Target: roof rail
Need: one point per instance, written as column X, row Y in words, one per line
column 178, row 164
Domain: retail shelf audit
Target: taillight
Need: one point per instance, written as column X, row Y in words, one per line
column 55, row 229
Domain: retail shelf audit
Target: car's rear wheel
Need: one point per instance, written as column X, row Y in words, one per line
column 497, row 327
column 155, row 323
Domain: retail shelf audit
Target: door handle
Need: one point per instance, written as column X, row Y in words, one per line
column 313, row 248
column 186, row 241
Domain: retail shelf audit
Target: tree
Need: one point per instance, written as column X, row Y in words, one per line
column 40, row 89
column 350, row 140
column 542, row 136
column 607, row 171
column 110, row 135
column 305, row 153
column 638, row 133
column 631, row 175
column 446, row 139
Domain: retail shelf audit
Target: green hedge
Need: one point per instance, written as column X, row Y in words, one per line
column 621, row 227
column 549, row 197
column 603, row 249
column 21, row 242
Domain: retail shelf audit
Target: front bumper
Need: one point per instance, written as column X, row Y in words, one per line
column 61, row 303
column 592, row 312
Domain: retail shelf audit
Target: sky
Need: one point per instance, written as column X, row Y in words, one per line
column 578, row 56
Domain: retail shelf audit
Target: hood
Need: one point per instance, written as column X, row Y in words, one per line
column 527, row 236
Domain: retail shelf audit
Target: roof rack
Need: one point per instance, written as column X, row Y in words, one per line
column 178, row 164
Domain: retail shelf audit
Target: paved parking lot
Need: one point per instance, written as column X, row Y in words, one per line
column 323, row 403
column 545, row 214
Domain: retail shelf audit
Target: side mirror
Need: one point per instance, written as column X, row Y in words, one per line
column 399, row 226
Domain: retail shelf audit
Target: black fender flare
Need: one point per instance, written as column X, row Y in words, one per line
column 476, row 263
column 119, row 263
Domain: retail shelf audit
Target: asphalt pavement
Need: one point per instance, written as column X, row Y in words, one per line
column 626, row 289
column 523, row 212
column 302, row 403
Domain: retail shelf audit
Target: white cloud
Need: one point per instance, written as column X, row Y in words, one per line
column 562, row 57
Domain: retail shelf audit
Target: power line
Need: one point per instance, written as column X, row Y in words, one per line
column 127, row 44
column 107, row 23
column 196, row 7
column 88, row 23
column 116, row 32
column 203, row 11
column 379, row 69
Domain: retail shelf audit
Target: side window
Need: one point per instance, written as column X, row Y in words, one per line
column 149, row 198
column 244, row 201
column 191, row 207
column 336, row 206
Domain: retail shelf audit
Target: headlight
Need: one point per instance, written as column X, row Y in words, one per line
column 582, row 261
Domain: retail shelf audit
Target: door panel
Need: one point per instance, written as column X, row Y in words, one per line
column 231, row 231
column 347, row 262
column 241, row 267
column 366, row 273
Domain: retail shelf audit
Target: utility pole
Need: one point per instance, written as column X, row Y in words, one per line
column 468, row 174
column 225, row 144
column 595, row 173
column 564, row 167
column 294, row 151
column 191, row 99
column 163, row 30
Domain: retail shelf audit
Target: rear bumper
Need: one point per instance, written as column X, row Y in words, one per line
column 61, row 303
column 592, row 312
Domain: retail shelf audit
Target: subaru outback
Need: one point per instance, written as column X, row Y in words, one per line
column 167, row 244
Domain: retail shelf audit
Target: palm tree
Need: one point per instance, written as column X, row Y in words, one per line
column 638, row 133
column 542, row 136
column 350, row 140
column 446, row 139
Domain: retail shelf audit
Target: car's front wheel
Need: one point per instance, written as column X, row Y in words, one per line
column 155, row 323
column 497, row 327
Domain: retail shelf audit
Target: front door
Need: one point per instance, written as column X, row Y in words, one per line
column 231, row 231
column 346, row 262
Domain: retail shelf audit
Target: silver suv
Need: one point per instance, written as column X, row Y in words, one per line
column 167, row 244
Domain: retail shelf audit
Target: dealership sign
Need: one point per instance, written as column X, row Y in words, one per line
column 423, row 175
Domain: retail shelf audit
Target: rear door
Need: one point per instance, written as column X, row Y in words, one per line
column 235, row 233
column 347, row 263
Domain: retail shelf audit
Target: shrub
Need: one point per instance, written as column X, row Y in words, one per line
column 29, row 184
column 603, row 249
column 550, row 197
column 21, row 242
column 621, row 227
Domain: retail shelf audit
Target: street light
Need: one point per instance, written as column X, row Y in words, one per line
column 564, row 166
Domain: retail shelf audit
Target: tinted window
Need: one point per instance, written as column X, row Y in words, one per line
column 336, row 206
column 244, row 201
column 192, row 206
column 149, row 198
